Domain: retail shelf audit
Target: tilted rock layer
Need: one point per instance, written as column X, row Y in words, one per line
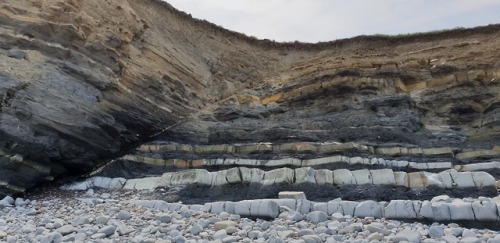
column 83, row 82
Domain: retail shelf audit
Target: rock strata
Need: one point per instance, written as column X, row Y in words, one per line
column 85, row 82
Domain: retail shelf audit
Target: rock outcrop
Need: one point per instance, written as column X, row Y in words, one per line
column 85, row 82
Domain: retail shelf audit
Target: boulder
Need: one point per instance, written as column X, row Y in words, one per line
column 408, row 236
column 266, row 209
column 317, row 216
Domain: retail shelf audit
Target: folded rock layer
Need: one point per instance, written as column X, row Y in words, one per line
column 83, row 82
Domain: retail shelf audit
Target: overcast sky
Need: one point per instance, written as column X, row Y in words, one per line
column 324, row 20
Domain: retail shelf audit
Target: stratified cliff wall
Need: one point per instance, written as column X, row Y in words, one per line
column 83, row 82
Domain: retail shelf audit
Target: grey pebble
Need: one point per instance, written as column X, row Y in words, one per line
column 107, row 230
column 123, row 215
column 196, row 229
column 66, row 229
column 436, row 231
column 163, row 218
column 220, row 234
column 303, row 232
column 98, row 236
column 102, row 220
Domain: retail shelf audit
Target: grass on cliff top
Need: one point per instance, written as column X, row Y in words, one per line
column 404, row 35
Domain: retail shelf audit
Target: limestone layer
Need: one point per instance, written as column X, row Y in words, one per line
column 448, row 179
column 84, row 82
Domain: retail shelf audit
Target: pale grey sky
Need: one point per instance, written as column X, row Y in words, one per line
column 325, row 20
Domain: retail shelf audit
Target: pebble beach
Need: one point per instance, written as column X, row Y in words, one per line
column 120, row 216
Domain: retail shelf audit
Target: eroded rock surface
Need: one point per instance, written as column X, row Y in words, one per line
column 83, row 82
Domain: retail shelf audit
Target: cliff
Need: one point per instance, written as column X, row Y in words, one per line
column 84, row 82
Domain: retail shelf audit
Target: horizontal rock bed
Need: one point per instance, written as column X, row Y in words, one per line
column 318, row 148
column 449, row 179
column 317, row 162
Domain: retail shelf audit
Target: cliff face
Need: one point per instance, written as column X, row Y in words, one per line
column 83, row 82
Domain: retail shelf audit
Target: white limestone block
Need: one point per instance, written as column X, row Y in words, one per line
column 219, row 178
column 78, row 186
column 233, row 176
column 285, row 202
column 485, row 210
column 186, row 177
column 324, row 177
column 304, row 206
column 251, row 175
column 400, row 178
column 281, row 175
column 426, row 211
column 148, row 183
column 460, row 210
column 362, row 177
column 483, row 180
column 305, row 175
column 243, row 162
column 284, row 162
column 348, row 207
column 463, row 179
column 356, row 160
column 368, row 209
column 334, row 207
column 320, row 206
column 343, row 177
column 401, row 209
column 446, row 179
column 432, row 180
column 291, row 195
column 441, row 211
column 383, row 177
column 267, row 209
column 322, row 161
column 416, row 180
